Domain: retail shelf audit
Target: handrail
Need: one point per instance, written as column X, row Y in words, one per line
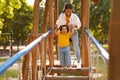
column 103, row 52
column 18, row 55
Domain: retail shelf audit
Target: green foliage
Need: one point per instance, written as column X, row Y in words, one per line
column 99, row 20
column 16, row 15
column 21, row 22
column 76, row 6
column 4, row 39
column 7, row 7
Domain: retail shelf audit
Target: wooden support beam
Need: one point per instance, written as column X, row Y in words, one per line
column 34, row 63
column 36, row 16
column 51, row 14
column 114, row 41
column 33, row 73
column 34, row 55
column 26, row 61
column 85, row 12
column 43, row 56
column 35, row 32
column 44, row 29
column 51, row 38
column 44, row 26
column 56, row 14
column 56, row 10
column 50, row 52
column 25, row 67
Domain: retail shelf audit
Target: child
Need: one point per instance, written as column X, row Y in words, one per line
column 63, row 42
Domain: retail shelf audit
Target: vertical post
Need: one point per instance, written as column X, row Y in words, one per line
column 114, row 41
column 85, row 11
column 56, row 11
column 51, row 19
column 36, row 16
column 44, row 28
column 26, row 62
column 34, row 36
column 11, row 48
column 45, row 17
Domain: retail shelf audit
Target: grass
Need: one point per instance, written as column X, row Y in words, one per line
column 101, row 67
column 8, row 74
column 3, row 60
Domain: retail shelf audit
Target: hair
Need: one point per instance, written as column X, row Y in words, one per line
column 64, row 26
column 67, row 6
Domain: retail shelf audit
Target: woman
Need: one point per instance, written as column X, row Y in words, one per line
column 72, row 20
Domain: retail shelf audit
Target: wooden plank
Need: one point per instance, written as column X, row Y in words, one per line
column 66, row 77
column 69, row 70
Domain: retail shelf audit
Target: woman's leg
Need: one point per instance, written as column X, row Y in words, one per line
column 75, row 41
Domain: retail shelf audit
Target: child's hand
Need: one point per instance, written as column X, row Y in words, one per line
column 56, row 30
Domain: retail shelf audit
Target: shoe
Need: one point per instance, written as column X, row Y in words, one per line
column 78, row 65
column 65, row 67
column 68, row 67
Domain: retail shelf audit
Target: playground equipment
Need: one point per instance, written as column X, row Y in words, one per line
column 41, row 46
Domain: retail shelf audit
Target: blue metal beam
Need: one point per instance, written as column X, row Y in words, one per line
column 17, row 56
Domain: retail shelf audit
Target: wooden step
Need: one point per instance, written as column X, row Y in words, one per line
column 69, row 70
column 49, row 77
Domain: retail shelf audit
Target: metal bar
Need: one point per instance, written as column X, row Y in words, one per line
column 97, row 44
column 17, row 56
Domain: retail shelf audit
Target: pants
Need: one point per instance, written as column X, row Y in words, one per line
column 75, row 41
column 65, row 58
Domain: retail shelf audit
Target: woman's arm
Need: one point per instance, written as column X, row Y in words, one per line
column 73, row 31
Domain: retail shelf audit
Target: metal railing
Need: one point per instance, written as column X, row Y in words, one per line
column 98, row 58
column 12, row 60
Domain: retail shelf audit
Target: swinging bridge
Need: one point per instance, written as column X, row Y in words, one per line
column 40, row 59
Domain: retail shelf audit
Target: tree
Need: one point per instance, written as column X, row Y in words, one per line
column 6, row 13
column 99, row 20
column 21, row 23
column 16, row 15
column 6, row 10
